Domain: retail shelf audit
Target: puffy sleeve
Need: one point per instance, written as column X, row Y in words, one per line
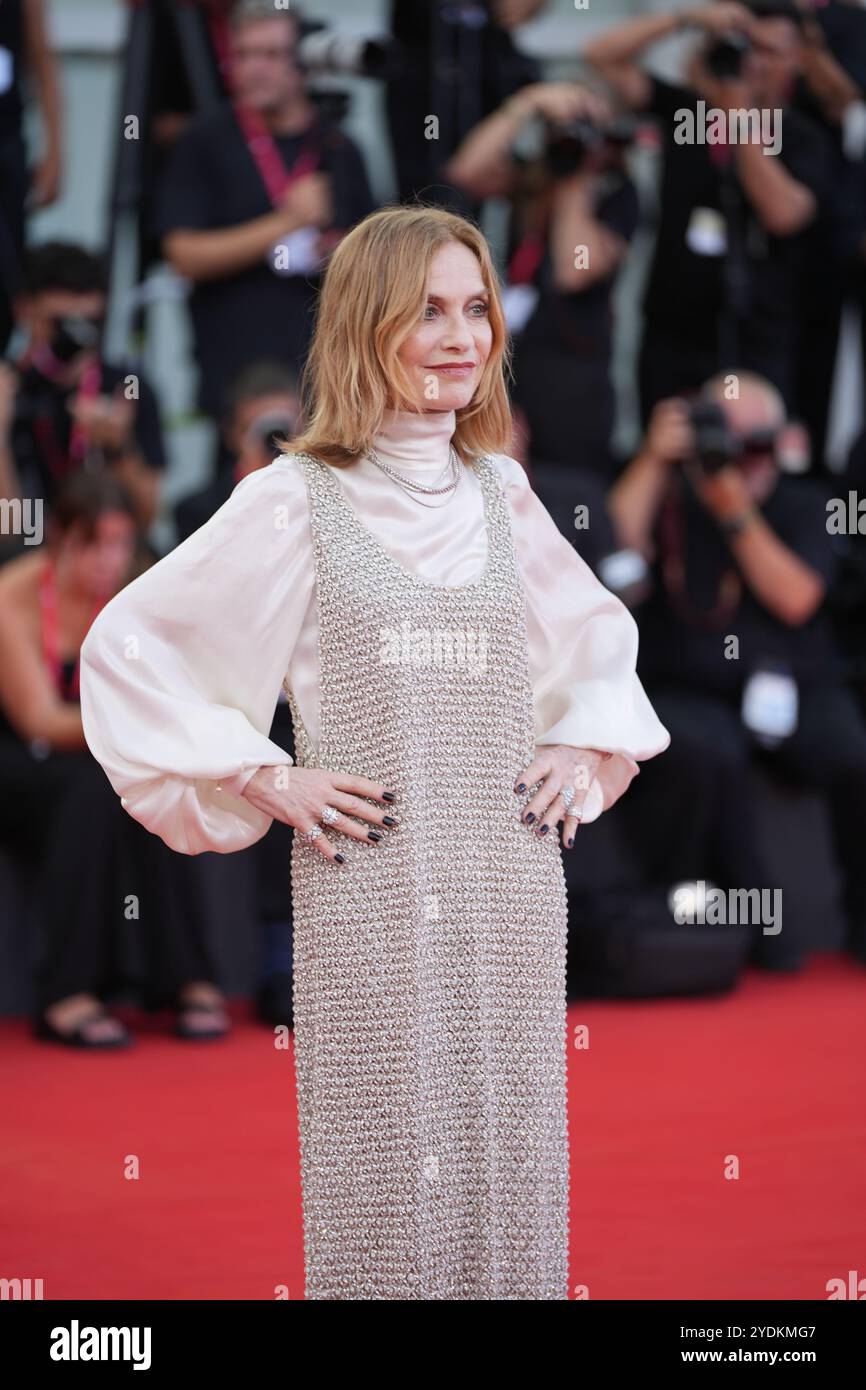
column 181, row 670
column 583, row 645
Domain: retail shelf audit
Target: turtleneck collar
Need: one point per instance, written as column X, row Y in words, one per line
column 409, row 440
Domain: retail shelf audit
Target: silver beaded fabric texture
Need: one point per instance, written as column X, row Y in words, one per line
column 429, row 978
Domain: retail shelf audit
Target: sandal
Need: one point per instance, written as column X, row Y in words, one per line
column 183, row 1027
column 77, row 1036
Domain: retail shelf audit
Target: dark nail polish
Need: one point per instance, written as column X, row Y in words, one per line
column 530, row 817
column 522, row 787
column 544, row 829
column 571, row 841
column 340, row 858
column 389, row 796
column 388, row 820
column 373, row 835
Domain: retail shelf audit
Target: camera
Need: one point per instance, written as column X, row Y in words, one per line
column 74, row 334
column 323, row 51
column 273, row 424
column 716, row 445
column 726, row 57
column 569, row 144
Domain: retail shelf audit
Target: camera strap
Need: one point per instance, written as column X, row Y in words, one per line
column 527, row 257
column 265, row 153
column 672, row 538
column 63, row 461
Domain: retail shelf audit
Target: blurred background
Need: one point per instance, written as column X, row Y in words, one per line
column 687, row 384
column 687, row 321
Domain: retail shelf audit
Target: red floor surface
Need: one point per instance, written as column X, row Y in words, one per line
column 666, row 1091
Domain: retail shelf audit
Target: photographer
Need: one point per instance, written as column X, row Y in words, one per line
column 574, row 212
column 830, row 91
column 255, row 196
column 262, row 402
column 58, row 814
column 62, row 408
column 724, row 281
column 459, row 62
column 736, row 648
column 28, row 70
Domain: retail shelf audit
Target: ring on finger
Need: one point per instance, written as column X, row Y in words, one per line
column 311, row 835
column 567, row 796
column 330, row 814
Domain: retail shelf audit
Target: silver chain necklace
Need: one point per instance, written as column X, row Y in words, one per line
column 410, row 486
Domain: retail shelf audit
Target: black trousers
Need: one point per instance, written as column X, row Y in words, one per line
column 96, row 871
column 690, row 812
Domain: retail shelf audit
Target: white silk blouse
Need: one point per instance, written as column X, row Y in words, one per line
column 181, row 671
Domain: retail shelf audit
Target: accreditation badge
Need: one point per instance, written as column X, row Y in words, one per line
column 297, row 253
column 707, row 232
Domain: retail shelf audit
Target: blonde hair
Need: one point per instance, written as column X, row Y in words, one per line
column 374, row 289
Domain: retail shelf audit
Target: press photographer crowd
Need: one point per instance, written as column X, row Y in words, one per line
column 722, row 213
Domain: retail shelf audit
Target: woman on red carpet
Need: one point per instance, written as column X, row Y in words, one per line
column 460, row 685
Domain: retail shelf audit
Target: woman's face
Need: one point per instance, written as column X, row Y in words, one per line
column 445, row 353
column 99, row 565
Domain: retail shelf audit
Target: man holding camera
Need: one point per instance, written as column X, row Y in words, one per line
column 574, row 212
column 262, row 402
column 734, row 211
column 62, row 406
column 737, row 653
column 255, row 196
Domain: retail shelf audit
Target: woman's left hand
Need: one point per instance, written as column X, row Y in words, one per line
column 558, row 766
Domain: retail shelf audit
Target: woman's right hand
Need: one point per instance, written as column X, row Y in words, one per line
column 298, row 796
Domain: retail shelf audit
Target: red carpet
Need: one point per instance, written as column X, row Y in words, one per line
column 772, row 1074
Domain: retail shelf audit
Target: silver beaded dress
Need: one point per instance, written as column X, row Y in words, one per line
column 429, row 968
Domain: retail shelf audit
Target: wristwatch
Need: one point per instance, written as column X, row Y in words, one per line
column 733, row 525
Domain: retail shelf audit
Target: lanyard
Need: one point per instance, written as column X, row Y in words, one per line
column 527, row 257
column 266, row 156
column 51, row 632
column 62, row 461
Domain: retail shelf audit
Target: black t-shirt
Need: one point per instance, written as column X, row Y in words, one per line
column 675, row 649
column 43, row 425
column 579, row 323
column 844, row 27
column 686, row 289
column 848, row 601
column 211, row 182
